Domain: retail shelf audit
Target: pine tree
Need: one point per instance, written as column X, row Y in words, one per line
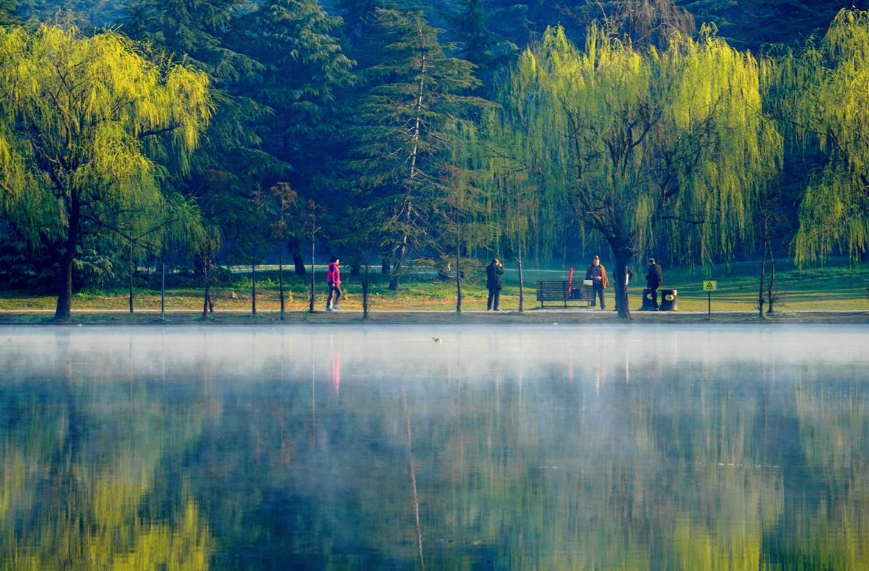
column 479, row 44
column 9, row 13
column 206, row 33
column 304, row 73
column 412, row 93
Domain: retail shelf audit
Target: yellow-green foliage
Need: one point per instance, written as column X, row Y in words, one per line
column 81, row 115
column 823, row 95
column 649, row 140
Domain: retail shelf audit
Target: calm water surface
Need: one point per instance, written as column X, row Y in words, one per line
column 538, row 448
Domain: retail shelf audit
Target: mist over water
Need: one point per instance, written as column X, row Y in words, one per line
column 514, row 447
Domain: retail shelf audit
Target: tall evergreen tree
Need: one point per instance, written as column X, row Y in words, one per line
column 206, row 33
column 413, row 92
column 303, row 81
column 304, row 72
column 9, row 13
column 479, row 44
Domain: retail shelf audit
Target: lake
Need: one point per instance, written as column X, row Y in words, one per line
column 518, row 447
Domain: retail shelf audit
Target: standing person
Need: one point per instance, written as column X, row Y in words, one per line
column 333, row 280
column 599, row 282
column 494, row 271
column 654, row 280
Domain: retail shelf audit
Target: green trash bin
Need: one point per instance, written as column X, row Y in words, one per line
column 668, row 299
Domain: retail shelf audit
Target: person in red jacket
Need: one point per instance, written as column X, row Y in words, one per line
column 333, row 280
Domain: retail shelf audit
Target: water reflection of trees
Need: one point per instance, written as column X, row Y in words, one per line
column 571, row 463
column 80, row 466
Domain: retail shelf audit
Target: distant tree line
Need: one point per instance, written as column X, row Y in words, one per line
column 228, row 131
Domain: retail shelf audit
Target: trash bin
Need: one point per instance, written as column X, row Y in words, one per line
column 649, row 300
column 668, row 299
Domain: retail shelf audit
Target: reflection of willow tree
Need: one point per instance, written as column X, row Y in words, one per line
column 656, row 478
column 833, row 531
column 80, row 479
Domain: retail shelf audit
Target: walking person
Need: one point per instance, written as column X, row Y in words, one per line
column 494, row 271
column 333, row 280
column 654, row 280
column 599, row 282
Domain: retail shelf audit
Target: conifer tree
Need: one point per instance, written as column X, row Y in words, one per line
column 8, row 12
column 413, row 92
column 207, row 35
column 479, row 44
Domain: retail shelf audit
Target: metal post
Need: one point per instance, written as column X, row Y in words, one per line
column 709, row 311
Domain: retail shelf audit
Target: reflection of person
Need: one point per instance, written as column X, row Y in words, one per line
column 494, row 271
column 597, row 274
column 333, row 280
column 654, row 280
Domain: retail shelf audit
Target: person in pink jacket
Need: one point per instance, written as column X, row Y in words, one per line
column 333, row 280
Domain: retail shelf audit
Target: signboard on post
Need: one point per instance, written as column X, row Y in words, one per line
column 709, row 286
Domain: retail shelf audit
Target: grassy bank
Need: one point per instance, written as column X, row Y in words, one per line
column 837, row 287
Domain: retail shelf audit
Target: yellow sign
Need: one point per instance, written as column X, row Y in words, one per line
column 710, row 286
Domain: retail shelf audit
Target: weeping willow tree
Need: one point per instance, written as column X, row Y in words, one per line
column 822, row 98
column 464, row 222
column 651, row 145
column 160, row 224
column 80, row 119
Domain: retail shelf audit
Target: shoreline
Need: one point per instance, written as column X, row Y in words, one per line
column 577, row 316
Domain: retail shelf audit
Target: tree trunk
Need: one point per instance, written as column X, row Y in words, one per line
column 313, row 251
column 622, row 301
column 206, row 300
column 458, row 280
column 298, row 261
column 365, row 293
column 521, row 285
column 132, row 277
column 402, row 249
column 770, row 299
column 761, row 287
column 64, row 293
column 253, row 289
column 414, row 153
column 281, row 282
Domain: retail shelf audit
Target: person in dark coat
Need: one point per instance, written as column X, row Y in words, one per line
column 494, row 271
column 654, row 280
column 599, row 281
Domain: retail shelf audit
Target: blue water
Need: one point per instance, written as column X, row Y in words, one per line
column 516, row 447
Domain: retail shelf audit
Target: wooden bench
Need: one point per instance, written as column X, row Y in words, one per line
column 560, row 292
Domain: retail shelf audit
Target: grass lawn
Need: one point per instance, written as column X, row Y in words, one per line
column 837, row 286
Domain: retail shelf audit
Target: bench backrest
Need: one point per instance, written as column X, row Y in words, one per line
column 551, row 290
